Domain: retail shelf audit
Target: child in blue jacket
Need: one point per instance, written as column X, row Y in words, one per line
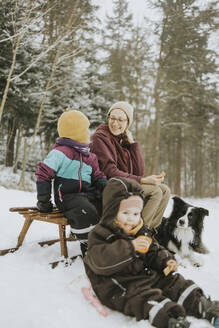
column 78, row 181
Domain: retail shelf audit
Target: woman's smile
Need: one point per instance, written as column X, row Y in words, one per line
column 117, row 122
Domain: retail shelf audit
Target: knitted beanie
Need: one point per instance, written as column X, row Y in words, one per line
column 132, row 201
column 125, row 107
column 74, row 125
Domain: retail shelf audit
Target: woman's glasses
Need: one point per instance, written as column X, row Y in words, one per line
column 119, row 119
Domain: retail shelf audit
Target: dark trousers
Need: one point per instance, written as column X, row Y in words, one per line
column 83, row 213
column 168, row 297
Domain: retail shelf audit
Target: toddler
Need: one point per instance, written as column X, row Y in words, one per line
column 131, row 273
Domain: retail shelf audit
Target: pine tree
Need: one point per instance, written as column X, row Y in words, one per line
column 20, row 102
column 188, row 96
column 117, row 36
column 77, row 83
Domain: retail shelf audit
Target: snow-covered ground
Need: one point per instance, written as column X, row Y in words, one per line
column 34, row 295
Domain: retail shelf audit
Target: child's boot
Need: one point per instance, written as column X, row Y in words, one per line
column 83, row 246
column 180, row 322
column 209, row 310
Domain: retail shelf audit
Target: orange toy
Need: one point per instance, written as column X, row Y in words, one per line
column 148, row 242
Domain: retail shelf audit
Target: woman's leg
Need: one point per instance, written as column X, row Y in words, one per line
column 156, row 205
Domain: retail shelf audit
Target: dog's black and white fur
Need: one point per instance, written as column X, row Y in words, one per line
column 182, row 231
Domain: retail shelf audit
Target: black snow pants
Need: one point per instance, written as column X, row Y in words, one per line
column 168, row 297
column 82, row 211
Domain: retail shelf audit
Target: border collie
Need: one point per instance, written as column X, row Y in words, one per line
column 182, row 231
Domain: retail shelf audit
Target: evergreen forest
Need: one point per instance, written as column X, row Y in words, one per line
column 56, row 54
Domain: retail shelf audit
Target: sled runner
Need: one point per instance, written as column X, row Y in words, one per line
column 56, row 217
column 92, row 298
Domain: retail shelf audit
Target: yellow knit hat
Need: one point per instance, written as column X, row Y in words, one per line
column 74, row 125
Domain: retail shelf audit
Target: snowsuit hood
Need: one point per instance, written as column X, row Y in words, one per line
column 115, row 191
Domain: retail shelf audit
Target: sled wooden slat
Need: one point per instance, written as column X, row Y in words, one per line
column 18, row 209
column 30, row 214
column 53, row 241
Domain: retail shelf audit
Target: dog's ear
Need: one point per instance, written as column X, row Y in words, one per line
column 178, row 202
column 203, row 211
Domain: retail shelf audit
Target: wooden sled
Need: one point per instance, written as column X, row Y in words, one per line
column 56, row 217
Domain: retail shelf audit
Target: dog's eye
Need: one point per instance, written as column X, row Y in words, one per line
column 189, row 215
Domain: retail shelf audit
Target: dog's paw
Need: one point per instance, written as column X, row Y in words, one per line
column 196, row 262
column 197, row 265
column 183, row 264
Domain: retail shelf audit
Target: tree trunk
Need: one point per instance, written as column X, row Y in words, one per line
column 9, row 158
column 21, row 182
column 20, row 36
column 156, row 140
column 27, row 153
column 157, row 127
column 185, row 189
column 55, row 62
column 170, row 175
column 178, row 163
column 198, row 170
column 18, row 143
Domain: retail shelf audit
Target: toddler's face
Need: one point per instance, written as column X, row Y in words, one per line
column 128, row 218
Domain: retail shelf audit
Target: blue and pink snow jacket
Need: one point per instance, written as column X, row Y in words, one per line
column 73, row 167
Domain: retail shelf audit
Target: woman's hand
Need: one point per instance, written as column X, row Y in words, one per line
column 152, row 179
column 129, row 136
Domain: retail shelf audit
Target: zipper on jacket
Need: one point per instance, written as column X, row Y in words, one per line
column 79, row 173
column 120, row 286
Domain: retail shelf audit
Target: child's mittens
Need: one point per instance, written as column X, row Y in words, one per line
column 101, row 184
column 142, row 244
column 44, row 204
column 97, row 188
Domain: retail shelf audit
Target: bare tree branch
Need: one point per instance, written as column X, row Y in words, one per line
column 27, row 13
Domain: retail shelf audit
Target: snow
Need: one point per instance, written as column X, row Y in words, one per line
column 34, row 295
column 11, row 180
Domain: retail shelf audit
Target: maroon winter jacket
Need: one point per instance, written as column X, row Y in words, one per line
column 116, row 156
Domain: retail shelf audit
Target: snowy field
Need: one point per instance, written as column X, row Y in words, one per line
column 33, row 295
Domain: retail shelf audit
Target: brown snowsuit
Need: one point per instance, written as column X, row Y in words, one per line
column 131, row 282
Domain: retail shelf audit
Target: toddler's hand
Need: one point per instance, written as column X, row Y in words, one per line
column 142, row 243
column 171, row 267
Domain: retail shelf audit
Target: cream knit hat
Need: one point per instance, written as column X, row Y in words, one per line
column 125, row 107
column 74, row 125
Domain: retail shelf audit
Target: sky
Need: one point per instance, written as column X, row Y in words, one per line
column 139, row 9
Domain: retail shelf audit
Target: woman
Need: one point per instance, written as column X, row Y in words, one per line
column 120, row 155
